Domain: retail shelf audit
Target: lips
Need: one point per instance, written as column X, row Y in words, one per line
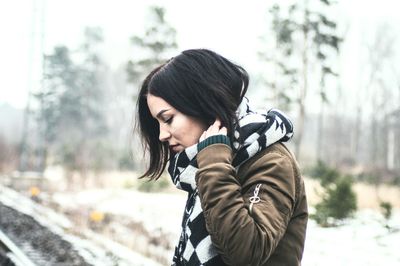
column 174, row 148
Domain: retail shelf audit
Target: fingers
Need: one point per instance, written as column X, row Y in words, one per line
column 223, row 131
column 214, row 129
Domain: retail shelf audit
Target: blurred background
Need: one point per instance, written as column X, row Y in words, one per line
column 70, row 75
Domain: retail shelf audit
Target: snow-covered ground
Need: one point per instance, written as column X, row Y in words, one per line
column 96, row 249
column 360, row 241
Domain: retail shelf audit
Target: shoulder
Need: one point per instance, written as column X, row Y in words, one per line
column 276, row 150
column 275, row 162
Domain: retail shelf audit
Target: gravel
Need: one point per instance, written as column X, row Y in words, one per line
column 41, row 245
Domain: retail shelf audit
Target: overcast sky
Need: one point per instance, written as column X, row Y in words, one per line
column 231, row 28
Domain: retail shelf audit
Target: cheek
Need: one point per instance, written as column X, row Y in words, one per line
column 200, row 130
column 188, row 130
column 197, row 130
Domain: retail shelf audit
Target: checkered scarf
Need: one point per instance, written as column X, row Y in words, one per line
column 253, row 132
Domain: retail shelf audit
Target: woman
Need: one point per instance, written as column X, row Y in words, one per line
column 246, row 202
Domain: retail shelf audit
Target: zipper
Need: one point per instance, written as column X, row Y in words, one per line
column 255, row 198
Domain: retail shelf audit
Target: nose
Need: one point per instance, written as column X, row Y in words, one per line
column 164, row 134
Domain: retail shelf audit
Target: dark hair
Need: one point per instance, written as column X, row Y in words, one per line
column 199, row 83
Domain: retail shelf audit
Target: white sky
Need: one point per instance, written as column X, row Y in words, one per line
column 229, row 27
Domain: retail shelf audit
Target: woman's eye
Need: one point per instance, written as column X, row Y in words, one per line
column 169, row 120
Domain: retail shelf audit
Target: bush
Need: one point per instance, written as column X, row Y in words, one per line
column 396, row 181
column 339, row 202
column 386, row 209
column 318, row 170
column 338, row 199
column 324, row 173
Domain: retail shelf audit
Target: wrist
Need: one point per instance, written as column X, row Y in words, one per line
column 221, row 139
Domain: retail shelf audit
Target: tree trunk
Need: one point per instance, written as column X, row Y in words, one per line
column 303, row 90
column 320, row 132
column 355, row 147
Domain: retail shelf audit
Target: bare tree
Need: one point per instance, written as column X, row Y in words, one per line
column 302, row 34
column 379, row 89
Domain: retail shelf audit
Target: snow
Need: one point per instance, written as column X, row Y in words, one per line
column 360, row 241
column 155, row 210
column 95, row 248
column 363, row 240
column 124, row 256
column 28, row 207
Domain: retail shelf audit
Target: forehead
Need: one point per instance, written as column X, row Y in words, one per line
column 157, row 104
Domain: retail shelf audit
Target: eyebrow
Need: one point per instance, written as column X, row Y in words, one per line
column 161, row 112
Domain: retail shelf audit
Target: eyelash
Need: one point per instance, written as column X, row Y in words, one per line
column 168, row 121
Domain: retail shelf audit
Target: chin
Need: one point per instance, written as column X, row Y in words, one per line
column 177, row 149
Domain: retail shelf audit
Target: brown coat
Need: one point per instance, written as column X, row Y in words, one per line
column 268, row 232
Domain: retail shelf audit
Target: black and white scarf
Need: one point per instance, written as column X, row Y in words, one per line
column 254, row 132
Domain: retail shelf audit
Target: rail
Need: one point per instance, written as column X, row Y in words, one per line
column 14, row 253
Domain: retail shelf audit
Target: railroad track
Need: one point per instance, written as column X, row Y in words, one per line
column 26, row 241
column 41, row 235
column 11, row 254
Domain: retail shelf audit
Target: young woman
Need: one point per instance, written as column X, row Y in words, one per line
column 246, row 201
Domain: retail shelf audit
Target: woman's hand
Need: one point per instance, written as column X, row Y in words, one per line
column 214, row 129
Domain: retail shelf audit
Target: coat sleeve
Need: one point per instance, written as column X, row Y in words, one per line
column 244, row 235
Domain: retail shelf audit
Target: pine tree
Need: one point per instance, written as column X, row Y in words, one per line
column 153, row 48
column 301, row 35
column 72, row 105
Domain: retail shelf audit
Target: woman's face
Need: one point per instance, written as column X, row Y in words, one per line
column 179, row 130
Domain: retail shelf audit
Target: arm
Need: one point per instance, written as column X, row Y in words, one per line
column 240, row 236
